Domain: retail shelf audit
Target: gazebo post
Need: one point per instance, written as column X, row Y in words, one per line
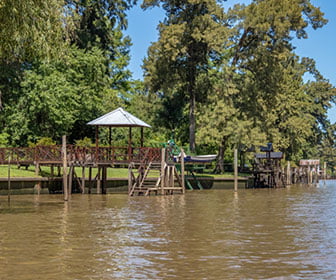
column 97, row 143
column 129, row 143
column 110, row 143
column 97, row 140
column 141, row 138
column 110, row 136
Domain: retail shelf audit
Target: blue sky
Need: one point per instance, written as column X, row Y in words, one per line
column 320, row 44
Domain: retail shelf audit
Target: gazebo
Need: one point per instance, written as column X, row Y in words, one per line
column 119, row 118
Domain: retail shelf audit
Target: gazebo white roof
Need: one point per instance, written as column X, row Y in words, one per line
column 119, row 117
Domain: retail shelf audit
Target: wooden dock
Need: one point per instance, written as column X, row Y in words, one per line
column 141, row 161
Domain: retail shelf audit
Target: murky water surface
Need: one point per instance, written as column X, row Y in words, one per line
column 211, row 234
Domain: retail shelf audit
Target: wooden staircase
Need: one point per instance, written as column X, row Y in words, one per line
column 154, row 177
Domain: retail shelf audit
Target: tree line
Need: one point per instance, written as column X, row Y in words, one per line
column 218, row 77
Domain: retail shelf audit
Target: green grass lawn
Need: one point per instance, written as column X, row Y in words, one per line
column 45, row 172
column 15, row 172
column 111, row 172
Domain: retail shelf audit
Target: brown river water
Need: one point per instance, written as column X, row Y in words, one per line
column 285, row 233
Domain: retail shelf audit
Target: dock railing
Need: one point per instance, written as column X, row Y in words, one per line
column 77, row 155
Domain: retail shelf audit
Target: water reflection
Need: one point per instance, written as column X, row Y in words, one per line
column 214, row 234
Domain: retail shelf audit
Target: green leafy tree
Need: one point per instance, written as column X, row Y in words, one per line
column 59, row 98
column 327, row 147
column 30, row 29
column 273, row 93
column 259, row 94
column 4, row 139
column 47, row 95
column 223, row 124
column 191, row 40
column 99, row 23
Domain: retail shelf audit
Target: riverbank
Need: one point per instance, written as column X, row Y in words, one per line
column 45, row 172
column 26, row 185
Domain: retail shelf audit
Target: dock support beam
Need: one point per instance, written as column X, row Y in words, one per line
column 104, row 177
column 235, row 170
column 182, row 171
column 9, row 179
column 65, row 179
column 90, row 179
column 83, row 179
column 70, row 177
column 98, row 181
column 163, row 177
column 37, row 168
column 288, row 179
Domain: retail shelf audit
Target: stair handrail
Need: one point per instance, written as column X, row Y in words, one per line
column 145, row 174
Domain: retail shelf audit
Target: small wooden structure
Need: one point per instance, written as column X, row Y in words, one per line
column 146, row 159
column 309, row 170
column 119, row 118
column 157, row 175
column 267, row 168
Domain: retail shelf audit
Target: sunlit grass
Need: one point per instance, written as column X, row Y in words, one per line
column 111, row 172
column 46, row 172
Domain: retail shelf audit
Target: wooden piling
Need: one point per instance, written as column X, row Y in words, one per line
column 163, row 163
column 182, row 171
column 309, row 175
column 130, row 181
column 90, row 179
column 288, row 176
column 38, row 187
column 83, row 180
column 325, row 170
column 235, row 170
column 167, row 181
column 65, row 177
column 98, row 181
column 9, row 179
column 172, row 177
column 52, row 172
column 71, row 175
column 104, row 177
column 37, row 168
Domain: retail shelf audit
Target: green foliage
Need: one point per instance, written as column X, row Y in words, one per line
column 59, row 98
column 4, row 139
column 48, row 88
column 191, row 37
column 99, row 25
column 85, row 142
column 273, row 94
column 30, row 29
column 43, row 141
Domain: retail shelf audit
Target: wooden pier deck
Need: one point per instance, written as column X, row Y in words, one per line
column 141, row 161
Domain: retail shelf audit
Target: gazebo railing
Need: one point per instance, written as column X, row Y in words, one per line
column 78, row 154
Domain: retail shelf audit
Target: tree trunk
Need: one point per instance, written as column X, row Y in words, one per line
column 192, row 124
column 1, row 101
column 219, row 169
column 191, row 76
